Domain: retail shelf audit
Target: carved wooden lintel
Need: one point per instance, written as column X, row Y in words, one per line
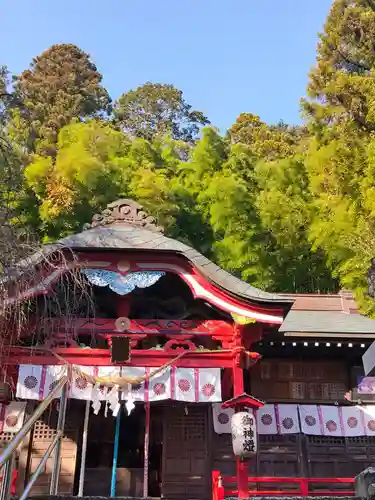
column 125, row 211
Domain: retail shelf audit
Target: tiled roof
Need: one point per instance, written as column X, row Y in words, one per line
column 321, row 314
column 332, row 322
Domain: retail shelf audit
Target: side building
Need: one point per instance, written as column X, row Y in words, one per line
column 319, row 417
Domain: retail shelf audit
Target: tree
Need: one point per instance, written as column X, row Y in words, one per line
column 61, row 85
column 268, row 142
column 6, row 97
column 341, row 87
column 341, row 112
column 85, row 175
column 158, row 109
column 284, row 205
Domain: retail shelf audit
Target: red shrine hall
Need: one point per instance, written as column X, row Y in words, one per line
column 184, row 381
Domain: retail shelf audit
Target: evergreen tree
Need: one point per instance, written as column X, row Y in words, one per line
column 268, row 142
column 158, row 109
column 341, row 115
column 61, row 85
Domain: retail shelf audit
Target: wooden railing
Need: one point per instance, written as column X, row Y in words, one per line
column 225, row 486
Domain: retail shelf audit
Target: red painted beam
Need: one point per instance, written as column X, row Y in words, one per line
column 147, row 326
column 102, row 357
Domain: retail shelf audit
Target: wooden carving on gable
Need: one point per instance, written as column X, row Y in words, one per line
column 125, row 211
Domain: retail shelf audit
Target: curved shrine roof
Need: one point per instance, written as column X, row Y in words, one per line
column 124, row 226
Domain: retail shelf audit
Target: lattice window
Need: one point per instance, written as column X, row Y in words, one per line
column 276, row 439
column 318, row 391
column 361, row 440
column 298, row 390
column 6, row 437
column 190, row 427
column 325, row 440
column 43, row 431
column 336, row 391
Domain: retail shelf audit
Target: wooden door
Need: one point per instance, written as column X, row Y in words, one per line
column 186, row 464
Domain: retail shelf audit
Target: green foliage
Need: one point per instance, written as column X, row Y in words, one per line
column 289, row 209
column 61, row 85
column 266, row 142
column 157, row 109
column 85, row 175
column 339, row 159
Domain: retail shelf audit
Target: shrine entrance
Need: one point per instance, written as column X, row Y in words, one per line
column 186, row 457
column 130, row 461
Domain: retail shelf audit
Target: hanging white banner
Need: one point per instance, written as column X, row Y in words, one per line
column 288, row 419
column 81, row 388
column 137, row 390
column 209, row 387
column 12, row 416
column 30, row 383
column 159, row 386
column 53, row 375
column 222, row 418
column 183, row 381
column 310, row 421
column 314, row 420
column 330, row 418
column 352, row 420
column 266, row 417
column 369, row 420
column 181, row 384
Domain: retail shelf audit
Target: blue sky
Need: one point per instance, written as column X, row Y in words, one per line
column 226, row 56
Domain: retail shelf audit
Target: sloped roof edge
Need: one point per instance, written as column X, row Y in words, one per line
column 121, row 236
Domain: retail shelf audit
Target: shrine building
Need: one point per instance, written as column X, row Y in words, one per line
column 162, row 350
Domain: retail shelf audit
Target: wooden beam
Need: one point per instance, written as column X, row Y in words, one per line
column 102, row 357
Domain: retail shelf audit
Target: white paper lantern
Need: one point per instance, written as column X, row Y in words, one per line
column 244, row 434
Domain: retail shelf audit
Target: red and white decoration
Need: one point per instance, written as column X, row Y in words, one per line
column 12, row 416
column 352, row 420
column 193, row 385
column 287, row 419
column 369, row 420
column 52, row 376
column 80, row 388
column 138, row 390
column 266, row 418
column 159, row 387
column 31, row 382
column 315, row 420
column 310, row 420
column 222, row 418
column 330, row 418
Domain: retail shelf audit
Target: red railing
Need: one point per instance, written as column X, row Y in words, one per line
column 13, row 484
column 303, row 486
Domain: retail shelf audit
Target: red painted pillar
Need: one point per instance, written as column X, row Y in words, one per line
column 242, row 475
column 241, row 465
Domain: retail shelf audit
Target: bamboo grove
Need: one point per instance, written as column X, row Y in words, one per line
column 287, row 208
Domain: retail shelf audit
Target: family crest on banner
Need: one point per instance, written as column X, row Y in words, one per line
column 315, row 420
column 195, row 385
